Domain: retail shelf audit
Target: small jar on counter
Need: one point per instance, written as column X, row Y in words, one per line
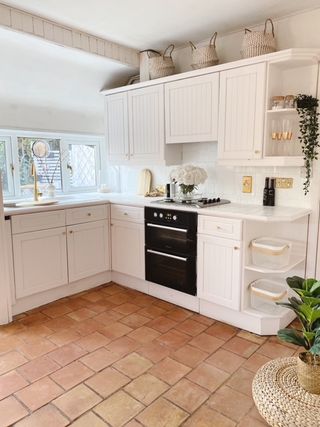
column 289, row 101
column 277, row 102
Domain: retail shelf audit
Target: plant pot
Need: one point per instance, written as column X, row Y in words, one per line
column 308, row 371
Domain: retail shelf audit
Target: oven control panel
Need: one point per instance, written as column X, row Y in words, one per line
column 175, row 218
column 165, row 216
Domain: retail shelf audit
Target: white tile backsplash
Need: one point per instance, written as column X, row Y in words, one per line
column 222, row 181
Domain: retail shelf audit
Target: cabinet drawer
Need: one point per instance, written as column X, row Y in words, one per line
column 37, row 221
column 86, row 214
column 230, row 228
column 127, row 213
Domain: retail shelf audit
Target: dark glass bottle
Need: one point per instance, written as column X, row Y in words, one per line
column 271, row 193
column 266, row 192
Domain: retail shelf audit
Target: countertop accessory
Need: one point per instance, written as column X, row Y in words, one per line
column 258, row 42
column 188, row 177
column 162, row 65
column 204, row 56
column 145, row 179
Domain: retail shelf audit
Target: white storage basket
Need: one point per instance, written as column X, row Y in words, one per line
column 258, row 42
column 204, row 56
column 268, row 252
column 264, row 295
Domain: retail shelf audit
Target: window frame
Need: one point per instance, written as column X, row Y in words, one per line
column 9, row 163
column 65, row 139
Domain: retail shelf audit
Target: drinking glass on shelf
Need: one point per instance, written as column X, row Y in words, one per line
column 276, row 136
column 287, row 136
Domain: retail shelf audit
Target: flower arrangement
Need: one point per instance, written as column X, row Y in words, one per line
column 188, row 177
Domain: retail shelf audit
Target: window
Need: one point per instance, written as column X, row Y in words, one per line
column 72, row 165
column 48, row 169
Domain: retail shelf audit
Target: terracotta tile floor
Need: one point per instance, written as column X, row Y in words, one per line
column 115, row 357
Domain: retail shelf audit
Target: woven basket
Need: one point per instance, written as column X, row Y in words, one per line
column 162, row 65
column 204, row 56
column 144, row 63
column 257, row 43
column 308, row 374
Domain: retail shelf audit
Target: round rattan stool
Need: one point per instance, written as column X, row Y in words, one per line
column 280, row 399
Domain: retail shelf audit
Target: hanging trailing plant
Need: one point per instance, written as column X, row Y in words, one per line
column 307, row 107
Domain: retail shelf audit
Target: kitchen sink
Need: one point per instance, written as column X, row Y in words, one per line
column 30, row 203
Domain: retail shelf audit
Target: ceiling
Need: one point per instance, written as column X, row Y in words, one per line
column 145, row 24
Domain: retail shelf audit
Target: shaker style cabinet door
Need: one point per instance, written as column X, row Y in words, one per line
column 127, row 239
column 241, row 112
column 219, row 271
column 146, row 123
column 191, row 108
column 88, row 249
column 117, row 139
column 40, row 261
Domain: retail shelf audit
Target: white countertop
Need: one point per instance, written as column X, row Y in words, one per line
column 231, row 210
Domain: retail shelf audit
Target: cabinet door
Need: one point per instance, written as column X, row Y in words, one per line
column 40, row 261
column 127, row 240
column 219, row 271
column 146, row 123
column 117, row 127
column 241, row 112
column 88, row 249
column 191, row 107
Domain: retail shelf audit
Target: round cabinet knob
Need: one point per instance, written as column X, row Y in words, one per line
column 256, row 151
column 174, row 217
column 236, row 248
column 70, row 232
column 125, row 213
column 89, row 214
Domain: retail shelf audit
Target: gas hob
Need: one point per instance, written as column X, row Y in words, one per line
column 203, row 202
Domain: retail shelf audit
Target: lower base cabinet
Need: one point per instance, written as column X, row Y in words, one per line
column 88, row 249
column 40, row 261
column 219, row 271
column 128, row 248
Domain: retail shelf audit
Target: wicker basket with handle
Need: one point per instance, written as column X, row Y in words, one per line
column 258, row 42
column 204, row 56
column 162, row 65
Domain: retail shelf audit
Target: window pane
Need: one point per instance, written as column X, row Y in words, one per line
column 82, row 165
column 48, row 169
column 3, row 167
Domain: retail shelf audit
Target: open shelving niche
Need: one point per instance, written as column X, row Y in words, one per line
column 290, row 76
column 296, row 232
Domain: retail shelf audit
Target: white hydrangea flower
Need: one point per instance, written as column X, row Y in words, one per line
column 189, row 175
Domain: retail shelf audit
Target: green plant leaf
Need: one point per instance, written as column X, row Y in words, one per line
column 295, row 282
column 291, row 336
column 315, row 349
column 308, row 283
column 315, row 289
column 311, row 301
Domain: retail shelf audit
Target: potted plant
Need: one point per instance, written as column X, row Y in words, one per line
column 307, row 107
column 307, row 309
column 188, row 177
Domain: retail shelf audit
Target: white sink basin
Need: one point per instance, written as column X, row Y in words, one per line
column 37, row 203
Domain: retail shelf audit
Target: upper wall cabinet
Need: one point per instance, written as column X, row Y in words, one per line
column 135, row 128
column 241, row 112
column 117, row 127
column 191, row 109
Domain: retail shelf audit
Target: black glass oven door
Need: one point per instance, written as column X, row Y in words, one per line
column 172, row 271
column 171, row 239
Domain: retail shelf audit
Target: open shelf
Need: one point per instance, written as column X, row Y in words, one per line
column 294, row 261
column 282, row 111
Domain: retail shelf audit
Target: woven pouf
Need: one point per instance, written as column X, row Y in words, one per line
column 280, row 399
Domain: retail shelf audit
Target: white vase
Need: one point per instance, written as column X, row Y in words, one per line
column 51, row 189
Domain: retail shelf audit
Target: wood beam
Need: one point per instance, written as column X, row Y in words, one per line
column 19, row 20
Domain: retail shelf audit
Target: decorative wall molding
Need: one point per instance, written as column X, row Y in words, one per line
column 53, row 32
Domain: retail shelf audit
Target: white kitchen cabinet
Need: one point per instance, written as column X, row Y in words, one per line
column 40, row 261
column 146, row 123
column 127, row 239
column 241, row 112
column 219, row 271
column 88, row 249
column 191, row 109
column 117, row 132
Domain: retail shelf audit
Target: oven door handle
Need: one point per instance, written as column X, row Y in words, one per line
column 180, row 258
column 166, row 227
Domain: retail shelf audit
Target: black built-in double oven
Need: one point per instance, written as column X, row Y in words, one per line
column 171, row 248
